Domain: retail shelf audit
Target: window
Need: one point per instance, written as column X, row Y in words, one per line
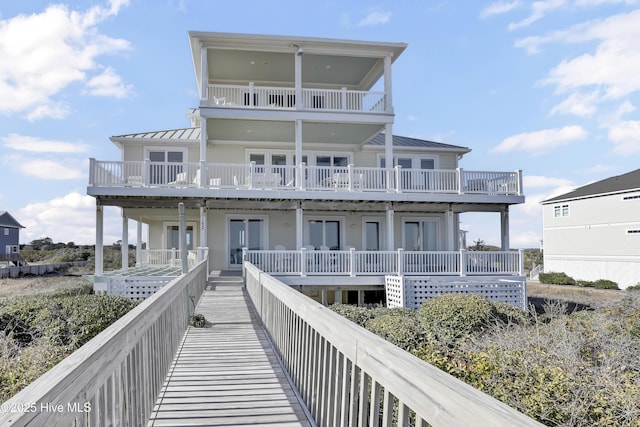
column 165, row 164
column 324, row 233
column 6, row 231
column 561, row 211
column 420, row 235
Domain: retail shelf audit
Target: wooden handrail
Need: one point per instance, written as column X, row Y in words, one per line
column 113, row 379
column 349, row 376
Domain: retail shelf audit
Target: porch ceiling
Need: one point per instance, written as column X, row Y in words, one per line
column 284, row 131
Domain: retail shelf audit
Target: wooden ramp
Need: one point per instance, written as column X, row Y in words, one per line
column 227, row 374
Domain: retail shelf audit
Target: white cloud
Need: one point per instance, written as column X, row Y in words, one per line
column 499, row 8
column 625, row 137
column 109, row 84
column 543, row 139
column 375, row 18
column 578, row 104
column 43, row 53
column 38, row 145
column 50, row 169
column 70, row 218
column 538, row 10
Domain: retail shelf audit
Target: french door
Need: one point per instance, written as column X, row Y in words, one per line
column 245, row 233
column 164, row 165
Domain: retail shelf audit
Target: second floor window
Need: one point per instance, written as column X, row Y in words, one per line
column 561, row 211
column 165, row 165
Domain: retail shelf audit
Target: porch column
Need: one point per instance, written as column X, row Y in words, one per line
column 450, row 225
column 139, row 244
column 124, row 248
column 298, row 136
column 390, row 234
column 202, row 179
column 387, row 85
column 298, row 77
column 299, row 225
column 99, row 239
column 504, row 228
column 203, row 227
column 204, row 71
column 388, row 149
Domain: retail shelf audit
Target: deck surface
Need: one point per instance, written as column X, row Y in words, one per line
column 227, row 374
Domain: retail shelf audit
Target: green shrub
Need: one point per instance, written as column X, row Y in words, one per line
column 358, row 315
column 633, row 288
column 585, row 283
column 553, row 278
column 451, row 316
column 605, row 284
column 508, row 314
column 400, row 327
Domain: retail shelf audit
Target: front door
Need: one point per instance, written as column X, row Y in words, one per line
column 244, row 233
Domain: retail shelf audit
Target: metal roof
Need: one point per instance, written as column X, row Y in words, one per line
column 193, row 135
column 629, row 181
column 6, row 220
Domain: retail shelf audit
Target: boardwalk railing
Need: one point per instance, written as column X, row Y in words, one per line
column 115, row 378
column 348, row 376
column 301, row 177
column 305, row 262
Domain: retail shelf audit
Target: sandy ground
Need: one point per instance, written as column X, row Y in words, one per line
column 577, row 296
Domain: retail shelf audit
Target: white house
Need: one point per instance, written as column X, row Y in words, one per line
column 291, row 156
column 593, row 232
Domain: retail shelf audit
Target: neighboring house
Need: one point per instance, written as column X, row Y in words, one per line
column 291, row 155
column 593, row 232
column 9, row 237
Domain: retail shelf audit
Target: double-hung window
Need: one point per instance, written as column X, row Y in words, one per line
column 561, row 211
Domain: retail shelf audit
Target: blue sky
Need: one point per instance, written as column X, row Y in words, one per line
column 550, row 87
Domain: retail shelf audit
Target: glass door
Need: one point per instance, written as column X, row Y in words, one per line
column 243, row 233
column 421, row 235
column 324, row 234
column 164, row 166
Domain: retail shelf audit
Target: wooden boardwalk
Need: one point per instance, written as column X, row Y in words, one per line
column 227, row 374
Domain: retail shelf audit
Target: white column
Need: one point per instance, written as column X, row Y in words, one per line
column 450, row 225
column 203, row 153
column 99, row 239
column 124, row 248
column 390, row 233
column 298, row 78
column 298, row 136
column 388, row 149
column 504, row 228
column 299, row 226
column 182, row 227
column 204, row 70
column 139, row 244
column 203, row 227
column 387, row 85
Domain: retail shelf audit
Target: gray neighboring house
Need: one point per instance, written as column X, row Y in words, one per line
column 593, row 232
column 9, row 235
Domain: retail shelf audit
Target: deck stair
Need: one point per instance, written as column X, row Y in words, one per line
column 227, row 373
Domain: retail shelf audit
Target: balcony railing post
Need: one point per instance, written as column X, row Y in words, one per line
column 352, row 262
column 398, row 171
column 92, row 171
column 202, row 178
column 350, row 177
column 244, row 258
column 519, row 172
column 303, row 262
column 520, row 262
column 400, row 261
column 463, row 262
column 343, row 94
column 252, row 167
column 251, row 91
column 459, row 173
column 301, row 172
column 147, row 173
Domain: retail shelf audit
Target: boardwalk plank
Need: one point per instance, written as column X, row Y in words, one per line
column 227, row 373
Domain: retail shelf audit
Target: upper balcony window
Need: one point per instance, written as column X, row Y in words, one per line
column 561, row 211
column 165, row 164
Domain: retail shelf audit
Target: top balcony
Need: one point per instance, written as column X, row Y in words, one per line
column 284, row 98
column 251, row 176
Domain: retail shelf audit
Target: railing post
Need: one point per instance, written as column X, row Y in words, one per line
column 92, row 171
column 459, row 172
column 352, row 262
column 398, row 170
column 252, row 166
column 301, row 171
column 146, row 173
column 519, row 172
column 244, row 258
column 400, row 261
column 303, row 262
column 520, row 262
column 350, row 177
column 251, row 90
column 202, row 179
column 463, row 262
column 343, row 93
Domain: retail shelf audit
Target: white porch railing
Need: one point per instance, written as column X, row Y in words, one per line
column 349, row 376
column 113, row 379
column 301, row 177
column 284, row 98
column 165, row 257
column 305, row 262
